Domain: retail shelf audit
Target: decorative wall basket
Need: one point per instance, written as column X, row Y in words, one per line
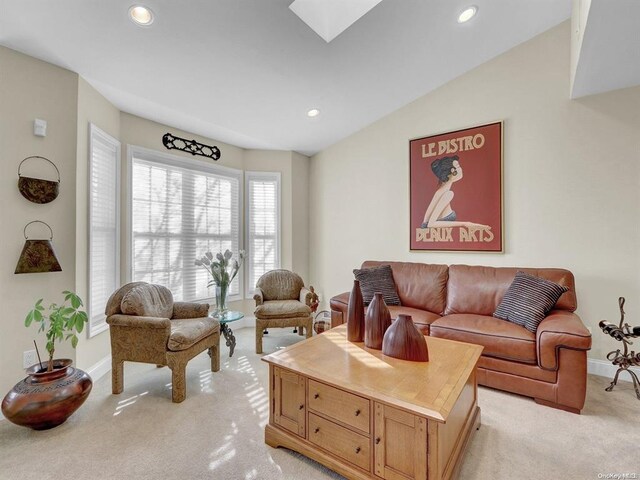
column 38, row 190
column 38, row 256
column 403, row 340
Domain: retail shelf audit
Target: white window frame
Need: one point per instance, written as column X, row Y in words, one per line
column 173, row 160
column 97, row 320
column 257, row 176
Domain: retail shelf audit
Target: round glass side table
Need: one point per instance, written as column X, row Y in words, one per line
column 224, row 319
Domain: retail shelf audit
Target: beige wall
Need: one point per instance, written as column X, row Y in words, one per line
column 300, row 215
column 92, row 108
column 32, row 89
column 571, row 188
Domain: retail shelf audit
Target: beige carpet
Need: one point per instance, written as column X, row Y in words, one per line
column 217, row 432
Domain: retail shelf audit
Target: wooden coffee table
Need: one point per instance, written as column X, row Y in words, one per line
column 369, row 416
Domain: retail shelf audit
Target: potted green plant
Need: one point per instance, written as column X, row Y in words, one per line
column 52, row 390
column 61, row 322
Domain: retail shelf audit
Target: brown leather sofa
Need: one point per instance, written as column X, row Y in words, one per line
column 457, row 302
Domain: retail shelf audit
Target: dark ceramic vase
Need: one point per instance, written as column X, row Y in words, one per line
column 403, row 340
column 44, row 399
column 376, row 322
column 355, row 314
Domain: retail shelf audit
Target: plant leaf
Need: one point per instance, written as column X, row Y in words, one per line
column 74, row 341
column 29, row 319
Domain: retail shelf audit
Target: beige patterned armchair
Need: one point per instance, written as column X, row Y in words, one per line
column 147, row 326
column 282, row 301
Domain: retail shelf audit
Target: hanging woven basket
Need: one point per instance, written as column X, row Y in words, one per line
column 38, row 190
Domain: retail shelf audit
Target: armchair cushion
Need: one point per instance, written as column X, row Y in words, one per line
column 186, row 332
column 282, row 309
column 280, row 285
column 148, row 300
column 113, row 304
column 190, row 310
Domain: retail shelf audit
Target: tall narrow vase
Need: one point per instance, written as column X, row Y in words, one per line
column 403, row 340
column 355, row 314
column 221, row 299
column 376, row 322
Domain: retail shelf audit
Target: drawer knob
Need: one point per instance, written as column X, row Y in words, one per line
column 357, row 449
column 317, row 395
column 377, row 440
column 301, row 406
column 316, row 430
column 357, row 412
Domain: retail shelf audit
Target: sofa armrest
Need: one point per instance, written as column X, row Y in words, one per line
column 258, row 296
column 135, row 321
column 560, row 329
column 339, row 305
column 190, row 310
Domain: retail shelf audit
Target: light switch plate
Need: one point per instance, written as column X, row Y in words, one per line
column 40, row 127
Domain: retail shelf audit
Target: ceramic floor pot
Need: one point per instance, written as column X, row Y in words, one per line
column 44, row 399
column 376, row 322
column 403, row 340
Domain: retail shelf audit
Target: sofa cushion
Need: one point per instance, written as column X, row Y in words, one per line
column 421, row 318
column 500, row 339
column 282, row 309
column 148, row 300
column 419, row 285
column 528, row 300
column 189, row 331
column 479, row 290
column 377, row 279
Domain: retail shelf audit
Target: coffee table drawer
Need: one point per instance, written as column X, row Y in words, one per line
column 340, row 405
column 340, row 441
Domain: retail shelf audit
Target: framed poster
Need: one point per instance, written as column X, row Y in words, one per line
column 456, row 190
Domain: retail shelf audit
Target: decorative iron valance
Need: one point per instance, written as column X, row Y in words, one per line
column 190, row 146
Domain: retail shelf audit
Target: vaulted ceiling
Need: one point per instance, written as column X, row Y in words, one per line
column 246, row 72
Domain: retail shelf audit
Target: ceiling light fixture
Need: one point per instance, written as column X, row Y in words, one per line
column 467, row 14
column 314, row 112
column 141, row 15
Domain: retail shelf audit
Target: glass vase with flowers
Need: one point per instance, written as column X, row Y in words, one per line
column 222, row 271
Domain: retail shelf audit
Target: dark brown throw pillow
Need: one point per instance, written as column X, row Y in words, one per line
column 528, row 300
column 377, row 280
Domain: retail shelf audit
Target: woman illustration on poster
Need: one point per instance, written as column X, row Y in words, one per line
column 439, row 212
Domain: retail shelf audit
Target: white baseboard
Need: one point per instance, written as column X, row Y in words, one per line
column 604, row 368
column 99, row 369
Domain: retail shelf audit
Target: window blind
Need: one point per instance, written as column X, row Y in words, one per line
column 104, row 221
column 180, row 210
column 263, row 225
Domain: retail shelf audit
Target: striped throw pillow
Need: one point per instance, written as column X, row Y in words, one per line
column 377, row 280
column 528, row 300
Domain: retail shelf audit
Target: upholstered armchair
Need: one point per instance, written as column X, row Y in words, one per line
column 147, row 326
column 282, row 301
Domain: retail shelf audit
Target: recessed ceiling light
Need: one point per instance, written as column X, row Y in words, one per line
column 467, row 14
column 141, row 15
column 314, row 112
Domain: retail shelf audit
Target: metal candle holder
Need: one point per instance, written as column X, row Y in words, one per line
column 623, row 359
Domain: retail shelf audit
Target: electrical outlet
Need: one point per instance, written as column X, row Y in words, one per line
column 29, row 358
